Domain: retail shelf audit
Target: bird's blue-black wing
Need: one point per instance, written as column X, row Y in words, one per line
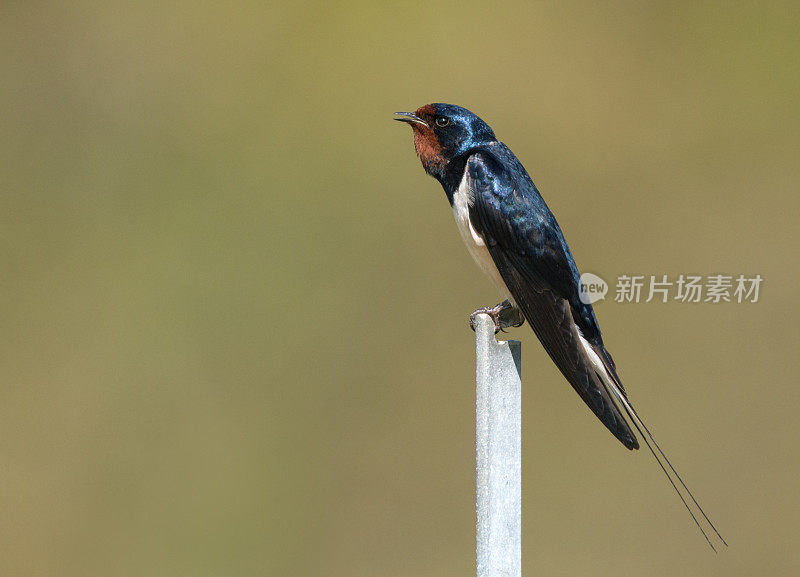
column 528, row 248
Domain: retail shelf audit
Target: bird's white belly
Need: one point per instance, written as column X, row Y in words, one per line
column 475, row 243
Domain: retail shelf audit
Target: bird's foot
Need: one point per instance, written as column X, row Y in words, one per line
column 504, row 315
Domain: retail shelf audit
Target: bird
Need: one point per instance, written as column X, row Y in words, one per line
column 514, row 238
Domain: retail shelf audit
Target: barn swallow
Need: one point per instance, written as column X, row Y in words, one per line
column 515, row 239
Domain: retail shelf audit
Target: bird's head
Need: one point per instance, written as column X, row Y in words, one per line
column 443, row 132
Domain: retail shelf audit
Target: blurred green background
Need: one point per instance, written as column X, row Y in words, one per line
column 234, row 309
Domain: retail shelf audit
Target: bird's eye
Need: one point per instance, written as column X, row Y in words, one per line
column 441, row 121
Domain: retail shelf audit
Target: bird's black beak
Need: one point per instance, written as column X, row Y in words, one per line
column 410, row 117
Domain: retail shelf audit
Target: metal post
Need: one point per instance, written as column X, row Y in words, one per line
column 498, row 453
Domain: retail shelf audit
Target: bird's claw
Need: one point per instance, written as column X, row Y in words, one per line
column 513, row 318
column 493, row 312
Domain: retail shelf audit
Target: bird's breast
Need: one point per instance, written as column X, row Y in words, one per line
column 476, row 244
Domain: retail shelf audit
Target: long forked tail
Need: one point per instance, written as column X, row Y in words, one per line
column 651, row 442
